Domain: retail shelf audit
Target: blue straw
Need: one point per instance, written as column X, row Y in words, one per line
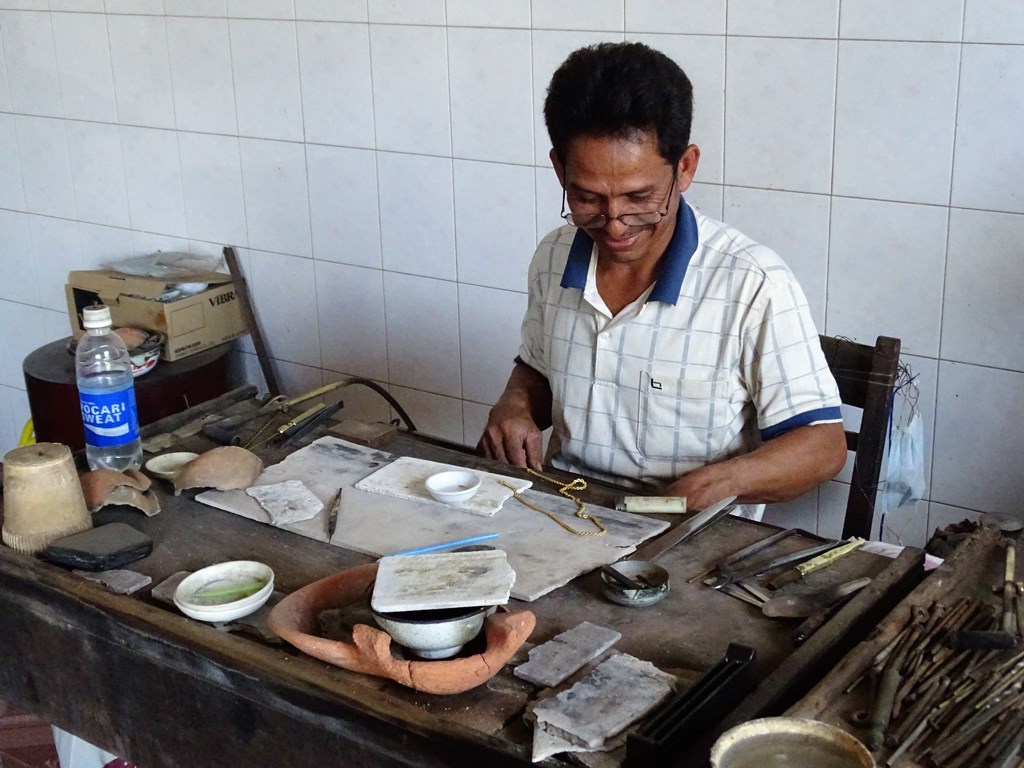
column 448, row 545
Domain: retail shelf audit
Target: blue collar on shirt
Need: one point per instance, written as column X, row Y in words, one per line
column 674, row 261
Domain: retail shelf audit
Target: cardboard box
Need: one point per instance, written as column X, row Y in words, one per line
column 190, row 323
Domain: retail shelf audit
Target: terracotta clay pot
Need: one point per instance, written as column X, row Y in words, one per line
column 295, row 619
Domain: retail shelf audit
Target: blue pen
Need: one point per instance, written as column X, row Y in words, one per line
column 448, row 545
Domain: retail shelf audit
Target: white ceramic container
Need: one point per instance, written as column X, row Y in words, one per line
column 224, row 591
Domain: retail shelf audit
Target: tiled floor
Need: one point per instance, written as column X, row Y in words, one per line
column 25, row 741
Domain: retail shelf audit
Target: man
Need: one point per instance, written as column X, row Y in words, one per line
column 669, row 351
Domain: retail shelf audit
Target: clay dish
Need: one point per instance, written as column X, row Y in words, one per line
column 103, row 487
column 226, row 468
column 296, row 620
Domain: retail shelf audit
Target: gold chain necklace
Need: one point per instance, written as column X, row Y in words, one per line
column 578, row 484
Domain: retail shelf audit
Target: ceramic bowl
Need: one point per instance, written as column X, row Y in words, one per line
column 435, row 634
column 145, row 356
column 453, row 487
column 653, row 576
column 168, row 465
column 225, row 591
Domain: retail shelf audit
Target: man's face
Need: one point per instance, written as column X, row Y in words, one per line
column 615, row 176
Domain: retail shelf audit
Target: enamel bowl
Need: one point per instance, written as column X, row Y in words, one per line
column 434, row 634
column 454, row 486
column 225, row 591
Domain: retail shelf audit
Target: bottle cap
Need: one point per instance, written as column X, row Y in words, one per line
column 96, row 316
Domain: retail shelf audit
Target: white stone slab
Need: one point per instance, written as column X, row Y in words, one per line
column 287, row 502
column 406, row 478
column 564, row 654
column 447, row 580
column 544, row 555
column 617, row 693
column 323, row 466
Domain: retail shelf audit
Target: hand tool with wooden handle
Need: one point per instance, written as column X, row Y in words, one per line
column 815, row 564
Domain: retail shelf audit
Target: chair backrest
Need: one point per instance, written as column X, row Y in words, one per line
column 866, row 377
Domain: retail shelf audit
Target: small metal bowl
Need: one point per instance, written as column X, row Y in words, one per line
column 642, row 571
column 789, row 741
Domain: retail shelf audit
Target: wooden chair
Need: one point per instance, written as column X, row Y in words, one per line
column 866, row 377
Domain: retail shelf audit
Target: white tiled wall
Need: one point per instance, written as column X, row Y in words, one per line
column 382, row 167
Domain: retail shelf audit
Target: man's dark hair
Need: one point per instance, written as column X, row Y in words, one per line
column 620, row 90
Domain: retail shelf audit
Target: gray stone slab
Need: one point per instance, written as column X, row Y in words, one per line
column 617, row 693
column 117, row 580
column 564, row 654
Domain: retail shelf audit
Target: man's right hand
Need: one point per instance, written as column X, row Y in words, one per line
column 512, row 438
column 513, row 434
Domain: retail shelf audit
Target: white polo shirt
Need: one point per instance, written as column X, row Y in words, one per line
column 718, row 355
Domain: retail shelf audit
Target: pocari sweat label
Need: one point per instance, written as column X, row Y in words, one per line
column 109, row 417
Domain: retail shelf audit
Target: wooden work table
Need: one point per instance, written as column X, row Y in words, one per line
column 135, row 676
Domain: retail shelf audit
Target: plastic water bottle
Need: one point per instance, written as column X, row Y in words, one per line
column 106, row 390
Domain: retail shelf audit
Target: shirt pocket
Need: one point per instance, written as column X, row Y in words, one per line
column 679, row 418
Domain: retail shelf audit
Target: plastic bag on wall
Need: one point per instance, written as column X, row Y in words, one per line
column 904, row 480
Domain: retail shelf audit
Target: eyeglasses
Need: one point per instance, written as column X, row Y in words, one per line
column 598, row 220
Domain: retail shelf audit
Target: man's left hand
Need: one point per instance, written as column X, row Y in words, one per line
column 778, row 470
column 705, row 486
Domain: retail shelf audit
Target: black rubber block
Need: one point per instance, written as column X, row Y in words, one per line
column 100, row 549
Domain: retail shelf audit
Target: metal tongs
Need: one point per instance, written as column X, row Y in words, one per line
column 737, row 568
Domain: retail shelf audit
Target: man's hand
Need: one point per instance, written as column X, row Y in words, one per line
column 513, row 437
column 513, row 431
column 779, row 470
column 704, row 486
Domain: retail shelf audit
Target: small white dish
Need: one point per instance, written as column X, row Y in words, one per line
column 454, row 486
column 434, row 634
column 168, row 465
column 225, row 591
